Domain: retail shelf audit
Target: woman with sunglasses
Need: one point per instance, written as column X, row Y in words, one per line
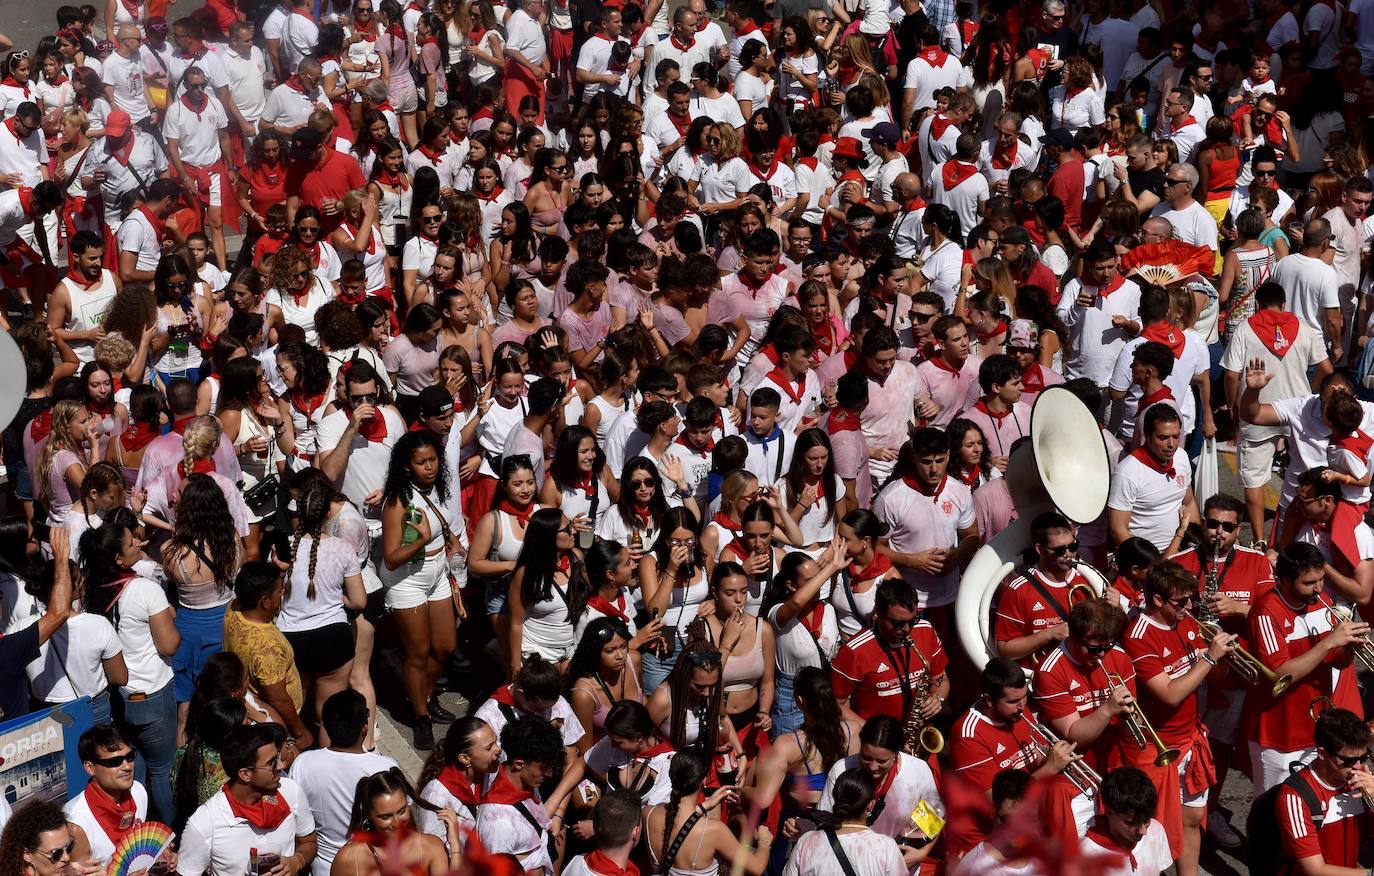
column 550, row 191
column 306, row 230
column 603, row 671
column 38, row 841
column 638, row 516
column 296, row 290
column 549, row 580
column 16, row 88
column 418, row 283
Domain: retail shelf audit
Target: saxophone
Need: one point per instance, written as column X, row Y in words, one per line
column 1210, row 584
column 918, row 737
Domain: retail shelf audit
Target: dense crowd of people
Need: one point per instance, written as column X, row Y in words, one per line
column 651, row 373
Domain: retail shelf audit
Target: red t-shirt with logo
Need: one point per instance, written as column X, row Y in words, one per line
column 1064, row 687
column 1156, row 649
column 864, row 671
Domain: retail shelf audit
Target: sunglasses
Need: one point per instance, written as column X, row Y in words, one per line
column 704, row 658
column 367, row 399
column 303, row 229
column 1099, row 650
column 1346, row 762
column 638, row 483
column 917, row 316
column 561, row 168
column 900, row 624
column 1180, row 601
column 116, row 760
column 1213, row 523
column 1174, row 182
column 713, row 140
column 195, row 86
column 57, row 854
column 1070, row 548
column 1259, row 173
column 431, row 219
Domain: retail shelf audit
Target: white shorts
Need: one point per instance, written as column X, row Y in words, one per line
column 1222, row 722
column 1192, row 801
column 1255, row 460
column 426, row 582
column 1269, row 766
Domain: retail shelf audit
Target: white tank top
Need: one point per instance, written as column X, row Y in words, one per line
column 609, row 414
column 373, row 259
column 508, row 546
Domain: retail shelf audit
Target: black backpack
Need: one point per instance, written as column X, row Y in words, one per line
column 1265, row 854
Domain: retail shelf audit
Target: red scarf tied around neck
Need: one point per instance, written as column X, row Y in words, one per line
column 116, row 817
column 876, row 569
column 522, row 514
column 137, row 436
column 503, row 790
column 602, row 865
column 955, row 172
column 267, row 814
column 373, row 428
column 922, row 488
column 1167, row 334
column 458, row 785
column 1276, row 329
column 608, row 608
column 1148, row 460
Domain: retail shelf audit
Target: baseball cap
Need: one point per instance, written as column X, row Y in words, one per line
column 305, row 141
column 117, row 123
column 1059, row 138
column 884, row 132
column 434, row 401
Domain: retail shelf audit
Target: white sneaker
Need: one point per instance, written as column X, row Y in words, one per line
column 1220, row 830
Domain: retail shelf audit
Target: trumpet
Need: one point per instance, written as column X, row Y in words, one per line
column 1362, row 649
column 1140, row 728
column 1244, row 664
column 1078, row 772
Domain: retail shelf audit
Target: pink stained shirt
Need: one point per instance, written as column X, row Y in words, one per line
column 1000, row 433
column 584, row 332
column 849, row 450
column 993, row 508
column 756, row 305
column 917, row 522
column 953, row 391
column 890, row 414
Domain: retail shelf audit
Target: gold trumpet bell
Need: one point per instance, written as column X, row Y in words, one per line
column 1281, row 684
column 1166, row 757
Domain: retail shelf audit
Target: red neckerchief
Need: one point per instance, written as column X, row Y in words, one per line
column 600, row 864
column 1101, row 837
column 266, row 814
column 521, row 514
column 1003, row 159
column 764, row 176
column 101, row 410
column 41, row 426
column 615, row 609
column 159, row 226
column 699, row 451
column 793, row 392
column 204, row 103
column 971, row 478
column 587, row 485
column 984, row 337
column 1069, row 94
column 955, row 172
column 938, row 125
column 13, row 83
column 1276, row 329
column 680, row 45
column 726, row 523
column 1340, row 530
column 200, row 466
column 939, row 362
column 886, row 784
column 643, row 512
column 306, row 406
column 179, row 425
column 842, row 421
column 495, row 193
column 745, row 29
column 137, row 436
column 968, row 29
column 982, row 406
column 1168, row 334
column 682, row 125
column 876, row 569
column 116, row 818
column 431, row 41
column 76, row 280
column 369, row 30
column 1114, row 284
column 809, row 163
column 121, row 153
column 933, row 55
column 922, row 489
column 373, row 429
column 1155, row 398
column 813, row 619
column 396, row 179
column 1033, row 378
column 1182, row 123
column 1148, row 460
column 371, row 238
column 824, row 338
column 60, row 80
column 739, row 550
column 457, row 784
column 563, row 563
column 432, row 154
column 503, row 790
column 1356, row 442
column 294, row 83
column 752, row 285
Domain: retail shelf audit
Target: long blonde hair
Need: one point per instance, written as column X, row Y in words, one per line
column 59, row 439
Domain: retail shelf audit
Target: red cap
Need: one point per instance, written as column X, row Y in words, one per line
column 117, row 123
column 849, row 147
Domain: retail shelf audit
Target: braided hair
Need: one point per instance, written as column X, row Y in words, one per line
column 312, row 510
column 699, row 652
column 686, row 773
column 198, row 442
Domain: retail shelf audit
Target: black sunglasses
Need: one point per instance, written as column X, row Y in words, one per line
column 116, row 760
column 1213, row 523
column 1098, row 650
column 56, row 854
column 704, row 658
column 901, row 624
column 1346, row 762
column 1070, row 548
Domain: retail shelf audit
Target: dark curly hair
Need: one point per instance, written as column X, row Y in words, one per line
column 531, row 738
column 399, row 485
column 21, row 834
column 205, row 527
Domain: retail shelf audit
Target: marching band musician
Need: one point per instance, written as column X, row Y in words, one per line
column 1335, row 782
column 1232, row 579
column 1077, row 698
column 1291, row 627
column 1033, row 610
column 1338, row 530
column 902, row 782
column 1172, row 659
column 879, row 671
column 994, row 736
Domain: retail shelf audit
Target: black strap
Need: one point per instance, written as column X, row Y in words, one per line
column 507, row 710
column 838, row 849
column 676, row 845
column 903, row 671
column 539, row 829
column 1035, row 582
column 782, row 448
column 849, row 597
column 1309, row 797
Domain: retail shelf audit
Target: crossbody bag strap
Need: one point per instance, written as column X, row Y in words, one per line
column 1036, row 583
column 838, row 849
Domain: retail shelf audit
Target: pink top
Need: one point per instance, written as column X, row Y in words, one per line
column 413, row 366
column 1000, row 433
column 917, row 522
column 993, row 508
column 953, row 391
column 511, row 332
column 584, row 332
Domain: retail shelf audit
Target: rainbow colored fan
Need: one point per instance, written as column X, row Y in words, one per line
column 140, row 848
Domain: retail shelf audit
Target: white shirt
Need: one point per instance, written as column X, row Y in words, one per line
column 367, row 463
column 286, row 107
column 216, row 841
column 71, row 663
column 869, row 852
column 719, row 183
column 1152, row 497
column 1326, row 21
column 247, row 81
column 197, row 134
column 1194, row 360
column 1310, row 287
column 917, row 522
column 125, row 78
column 1151, row 855
column 23, row 157
column 526, row 36
column 78, row 811
column 299, row 36
column 1308, row 436
column 1193, row 224
column 1096, row 342
column 964, row 199
column 329, row 780
column 913, row 783
column 1186, row 139
column 928, row 72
